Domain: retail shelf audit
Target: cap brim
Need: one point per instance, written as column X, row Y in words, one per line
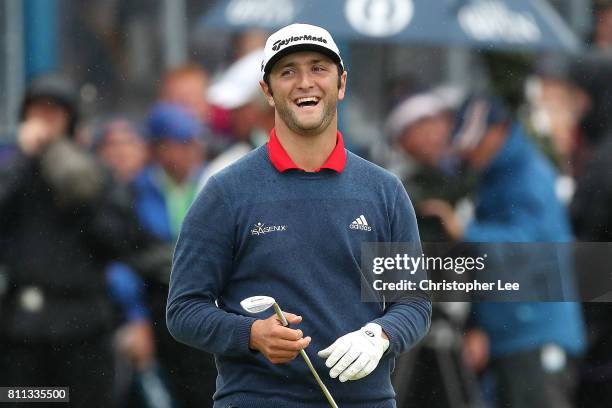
column 302, row 47
column 231, row 96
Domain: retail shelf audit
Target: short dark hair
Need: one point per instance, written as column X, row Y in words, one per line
column 266, row 77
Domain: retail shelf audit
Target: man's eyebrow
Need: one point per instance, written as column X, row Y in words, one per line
column 309, row 62
column 286, row 65
column 321, row 60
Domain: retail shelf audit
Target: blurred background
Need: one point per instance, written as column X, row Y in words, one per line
column 495, row 114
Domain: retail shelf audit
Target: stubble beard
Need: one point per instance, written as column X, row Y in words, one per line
column 290, row 119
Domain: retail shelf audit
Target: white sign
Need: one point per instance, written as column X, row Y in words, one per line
column 494, row 21
column 379, row 18
column 266, row 13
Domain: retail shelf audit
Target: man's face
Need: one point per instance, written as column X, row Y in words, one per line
column 178, row 159
column 52, row 114
column 124, row 151
column 304, row 91
column 427, row 140
column 481, row 156
column 188, row 91
column 603, row 28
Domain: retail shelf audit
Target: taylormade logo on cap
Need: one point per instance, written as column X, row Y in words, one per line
column 299, row 37
column 280, row 43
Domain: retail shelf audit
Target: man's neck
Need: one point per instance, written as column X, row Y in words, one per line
column 308, row 152
column 175, row 179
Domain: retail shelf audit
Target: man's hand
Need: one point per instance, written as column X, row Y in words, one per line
column 136, row 341
column 355, row 355
column 444, row 211
column 277, row 343
column 476, row 349
column 33, row 136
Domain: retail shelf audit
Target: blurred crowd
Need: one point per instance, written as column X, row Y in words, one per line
column 90, row 211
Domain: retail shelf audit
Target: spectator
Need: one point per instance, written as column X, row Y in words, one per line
column 120, row 145
column 251, row 118
column 164, row 191
column 592, row 74
column 555, row 106
column 166, row 188
column 592, row 218
column 602, row 33
column 61, row 222
column 420, row 126
column 517, row 203
column 187, row 85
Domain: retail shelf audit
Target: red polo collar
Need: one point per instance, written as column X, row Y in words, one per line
column 281, row 160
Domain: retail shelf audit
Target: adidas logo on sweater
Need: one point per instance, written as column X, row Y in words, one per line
column 360, row 224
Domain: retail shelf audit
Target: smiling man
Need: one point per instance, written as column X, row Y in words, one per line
column 278, row 223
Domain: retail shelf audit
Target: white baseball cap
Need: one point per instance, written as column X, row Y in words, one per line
column 299, row 37
column 422, row 105
column 413, row 109
column 239, row 84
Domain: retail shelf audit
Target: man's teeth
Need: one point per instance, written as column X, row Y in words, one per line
column 309, row 100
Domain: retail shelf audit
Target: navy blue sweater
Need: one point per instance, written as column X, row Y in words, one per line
column 256, row 231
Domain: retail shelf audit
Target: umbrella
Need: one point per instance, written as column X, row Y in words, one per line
column 528, row 24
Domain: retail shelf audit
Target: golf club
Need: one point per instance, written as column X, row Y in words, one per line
column 257, row 304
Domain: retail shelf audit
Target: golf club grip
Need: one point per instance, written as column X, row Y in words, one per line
column 281, row 315
column 330, row 399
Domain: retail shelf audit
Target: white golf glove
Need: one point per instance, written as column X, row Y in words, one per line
column 356, row 354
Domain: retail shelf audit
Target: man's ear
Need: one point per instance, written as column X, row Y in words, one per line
column 342, row 90
column 267, row 93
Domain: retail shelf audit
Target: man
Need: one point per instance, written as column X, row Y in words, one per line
column 187, row 85
column 166, row 188
column 121, row 146
column 308, row 189
column 61, row 222
column 591, row 212
column 163, row 193
column 250, row 116
column 420, row 127
column 592, row 219
column 602, row 30
column 528, row 345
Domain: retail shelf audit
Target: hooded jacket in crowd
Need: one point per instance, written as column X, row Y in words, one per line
column 516, row 203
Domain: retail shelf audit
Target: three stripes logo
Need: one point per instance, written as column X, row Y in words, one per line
column 360, row 224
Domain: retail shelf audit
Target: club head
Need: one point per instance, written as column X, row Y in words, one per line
column 257, row 304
